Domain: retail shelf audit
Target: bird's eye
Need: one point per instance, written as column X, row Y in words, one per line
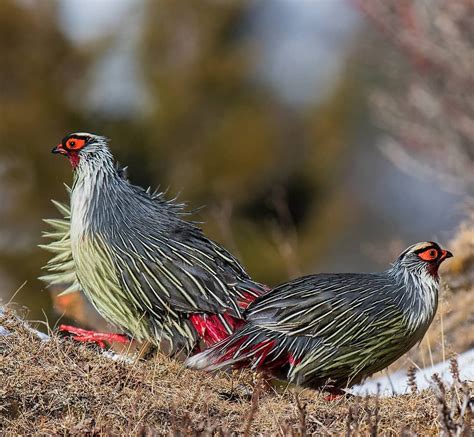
column 75, row 143
column 429, row 255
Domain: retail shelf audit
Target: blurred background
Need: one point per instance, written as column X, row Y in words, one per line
column 319, row 135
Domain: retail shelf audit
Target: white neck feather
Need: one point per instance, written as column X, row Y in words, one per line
column 422, row 297
column 89, row 178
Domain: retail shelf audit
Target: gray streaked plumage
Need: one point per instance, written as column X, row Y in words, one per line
column 334, row 330
column 61, row 268
column 142, row 266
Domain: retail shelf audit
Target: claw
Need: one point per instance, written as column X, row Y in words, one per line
column 99, row 338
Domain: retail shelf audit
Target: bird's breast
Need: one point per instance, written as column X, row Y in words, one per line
column 422, row 303
column 81, row 201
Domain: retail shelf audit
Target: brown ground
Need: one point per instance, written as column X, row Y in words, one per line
column 58, row 387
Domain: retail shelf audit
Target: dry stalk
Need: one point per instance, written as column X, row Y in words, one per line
column 301, row 416
column 253, row 408
column 411, row 373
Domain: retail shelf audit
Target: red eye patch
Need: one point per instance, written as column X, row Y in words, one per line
column 429, row 255
column 75, row 143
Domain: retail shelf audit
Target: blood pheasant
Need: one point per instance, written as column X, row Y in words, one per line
column 143, row 267
column 333, row 330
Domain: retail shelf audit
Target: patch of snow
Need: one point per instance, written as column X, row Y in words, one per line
column 397, row 383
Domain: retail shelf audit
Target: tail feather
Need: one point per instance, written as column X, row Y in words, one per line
column 213, row 328
column 220, row 356
column 246, row 347
column 209, row 361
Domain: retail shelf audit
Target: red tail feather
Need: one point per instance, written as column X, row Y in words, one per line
column 229, row 353
column 210, row 327
column 264, row 348
column 293, row 361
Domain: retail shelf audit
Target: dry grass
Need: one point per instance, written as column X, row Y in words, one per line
column 460, row 274
column 58, row 387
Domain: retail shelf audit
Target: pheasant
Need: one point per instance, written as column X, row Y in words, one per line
column 143, row 267
column 332, row 331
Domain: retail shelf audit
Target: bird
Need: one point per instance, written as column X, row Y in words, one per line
column 146, row 269
column 331, row 331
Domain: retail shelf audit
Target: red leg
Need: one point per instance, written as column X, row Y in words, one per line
column 99, row 338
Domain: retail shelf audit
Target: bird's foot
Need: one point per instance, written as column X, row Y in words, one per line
column 98, row 338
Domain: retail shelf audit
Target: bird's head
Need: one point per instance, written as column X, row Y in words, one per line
column 80, row 145
column 425, row 257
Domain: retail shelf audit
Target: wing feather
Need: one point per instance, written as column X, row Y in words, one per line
column 318, row 305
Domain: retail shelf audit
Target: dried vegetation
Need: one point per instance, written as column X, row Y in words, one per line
column 58, row 387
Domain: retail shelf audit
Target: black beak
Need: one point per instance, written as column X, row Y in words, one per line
column 446, row 254
column 59, row 149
